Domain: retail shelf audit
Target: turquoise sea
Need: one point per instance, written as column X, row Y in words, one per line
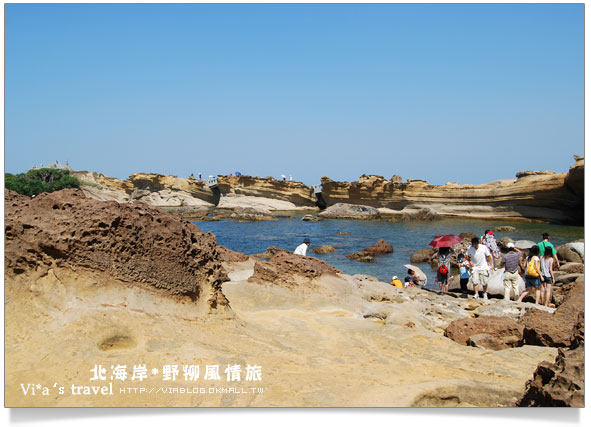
column 406, row 237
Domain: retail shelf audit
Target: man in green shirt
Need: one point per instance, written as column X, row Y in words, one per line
column 546, row 245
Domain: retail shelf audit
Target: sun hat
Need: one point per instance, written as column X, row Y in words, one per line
column 510, row 245
column 306, row 240
column 394, row 277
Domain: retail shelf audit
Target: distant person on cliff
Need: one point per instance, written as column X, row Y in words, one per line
column 482, row 262
column 199, row 176
column 396, row 282
column 464, row 266
column 545, row 245
column 301, row 250
column 511, row 280
column 546, row 264
column 533, row 275
column 443, row 267
column 491, row 243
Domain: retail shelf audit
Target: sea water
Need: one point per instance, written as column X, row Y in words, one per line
column 406, row 238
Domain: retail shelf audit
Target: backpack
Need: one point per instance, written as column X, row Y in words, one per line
column 531, row 269
column 443, row 269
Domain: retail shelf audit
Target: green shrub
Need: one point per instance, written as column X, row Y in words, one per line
column 38, row 181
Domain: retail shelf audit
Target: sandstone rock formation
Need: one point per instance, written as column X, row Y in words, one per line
column 561, row 383
column 553, row 197
column 490, row 332
column 130, row 242
column 287, row 269
column 555, row 330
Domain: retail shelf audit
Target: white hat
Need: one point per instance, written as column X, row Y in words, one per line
column 510, row 245
column 394, row 277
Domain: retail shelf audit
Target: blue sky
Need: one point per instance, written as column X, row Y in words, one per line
column 467, row 93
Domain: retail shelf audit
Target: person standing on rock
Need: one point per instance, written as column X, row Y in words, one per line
column 482, row 262
column 491, row 243
column 546, row 264
column 511, row 279
column 533, row 275
column 301, row 250
column 464, row 266
column 443, row 267
column 545, row 245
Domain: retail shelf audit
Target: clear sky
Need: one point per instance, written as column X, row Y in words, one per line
column 467, row 93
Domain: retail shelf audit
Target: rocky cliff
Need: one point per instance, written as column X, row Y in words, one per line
column 533, row 195
column 131, row 242
column 546, row 196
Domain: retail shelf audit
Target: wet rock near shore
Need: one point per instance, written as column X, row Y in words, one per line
column 349, row 211
column 425, row 214
column 310, row 218
column 132, row 242
column 505, row 229
column 250, row 214
column 422, row 255
column 381, row 247
column 326, row 249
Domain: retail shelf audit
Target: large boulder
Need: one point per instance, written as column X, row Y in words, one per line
column 326, row 249
column 381, row 247
column 289, row 270
column 132, row 242
column 422, row 255
column 578, row 247
column 554, row 330
column 568, row 255
column 494, row 333
column 561, row 383
column 348, row 211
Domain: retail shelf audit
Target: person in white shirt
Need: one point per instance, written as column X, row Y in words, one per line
column 482, row 262
column 301, row 250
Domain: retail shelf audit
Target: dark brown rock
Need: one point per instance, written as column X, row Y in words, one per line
column 423, row 255
column 326, row 249
column 467, row 235
column 132, row 242
column 361, row 256
column 561, row 383
column 381, row 247
column 502, row 332
column 554, row 330
column 287, row 269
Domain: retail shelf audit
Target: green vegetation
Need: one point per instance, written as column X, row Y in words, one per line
column 38, row 181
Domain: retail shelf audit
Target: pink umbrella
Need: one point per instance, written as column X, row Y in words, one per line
column 446, row 241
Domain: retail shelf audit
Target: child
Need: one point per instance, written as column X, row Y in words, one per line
column 443, row 268
column 464, row 266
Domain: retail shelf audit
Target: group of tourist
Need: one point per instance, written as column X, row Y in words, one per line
column 478, row 263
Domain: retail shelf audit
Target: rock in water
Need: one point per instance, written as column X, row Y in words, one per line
column 348, row 211
column 131, row 242
column 381, row 247
column 505, row 229
column 326, row 249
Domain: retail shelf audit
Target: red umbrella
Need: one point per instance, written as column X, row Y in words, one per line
column 446, row 241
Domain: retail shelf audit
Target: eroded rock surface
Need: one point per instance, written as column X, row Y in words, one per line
column 131, row 242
